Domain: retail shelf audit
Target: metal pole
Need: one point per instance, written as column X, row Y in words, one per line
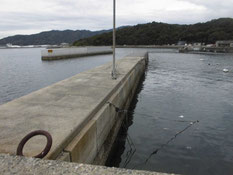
column 114, row 41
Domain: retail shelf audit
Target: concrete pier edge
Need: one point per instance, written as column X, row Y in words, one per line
column 30, row 166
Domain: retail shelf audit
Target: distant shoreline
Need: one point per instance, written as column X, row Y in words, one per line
column 22, row 47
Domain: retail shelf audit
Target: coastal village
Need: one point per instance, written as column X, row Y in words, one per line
column 225, row 46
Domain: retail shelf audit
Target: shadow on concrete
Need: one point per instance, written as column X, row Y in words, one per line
column 114, row 158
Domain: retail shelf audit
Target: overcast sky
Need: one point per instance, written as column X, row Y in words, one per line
column 33, row 16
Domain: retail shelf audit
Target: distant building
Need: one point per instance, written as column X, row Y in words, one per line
column 9, row 45
column 210, row 45
column 197, row 44
column 227, row 43
column 64, row 44
column 181, row 43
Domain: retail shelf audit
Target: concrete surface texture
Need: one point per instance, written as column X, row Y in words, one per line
column 94, row 141
column 63, row 109
column 30, row 166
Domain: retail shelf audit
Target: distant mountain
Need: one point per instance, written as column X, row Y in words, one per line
column 50, row 37
column 161, row 33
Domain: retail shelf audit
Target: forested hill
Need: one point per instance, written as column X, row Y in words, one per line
column 50, row 37
column 161, row 33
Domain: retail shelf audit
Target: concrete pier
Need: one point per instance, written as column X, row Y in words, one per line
column 75, row 112
column 73, row 52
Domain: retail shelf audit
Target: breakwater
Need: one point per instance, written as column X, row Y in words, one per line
column 150, row 46
column 75, row 112
column 73, row 52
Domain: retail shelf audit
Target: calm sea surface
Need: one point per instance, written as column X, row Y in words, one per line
column 160, row 133
column 22, row 70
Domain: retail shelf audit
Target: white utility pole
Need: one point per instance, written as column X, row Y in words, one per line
column 114, row 41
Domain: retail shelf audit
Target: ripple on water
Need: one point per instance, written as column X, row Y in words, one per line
column 183, row 85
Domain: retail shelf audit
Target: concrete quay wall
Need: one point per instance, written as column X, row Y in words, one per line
column 100, row 132
column 218, row 49
column 75, row 112
column 73, row 52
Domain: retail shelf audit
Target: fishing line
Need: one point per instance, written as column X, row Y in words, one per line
column 118, row 110
column 165, row 144
column 128, row 159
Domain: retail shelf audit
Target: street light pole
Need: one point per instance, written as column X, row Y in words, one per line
column 114, row 41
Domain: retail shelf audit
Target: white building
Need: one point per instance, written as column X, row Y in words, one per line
column 226, row 43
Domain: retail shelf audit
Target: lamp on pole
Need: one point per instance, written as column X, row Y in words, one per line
column 114, row 41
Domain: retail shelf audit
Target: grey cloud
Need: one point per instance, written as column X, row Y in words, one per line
column 217, row 6
column 96, row 15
